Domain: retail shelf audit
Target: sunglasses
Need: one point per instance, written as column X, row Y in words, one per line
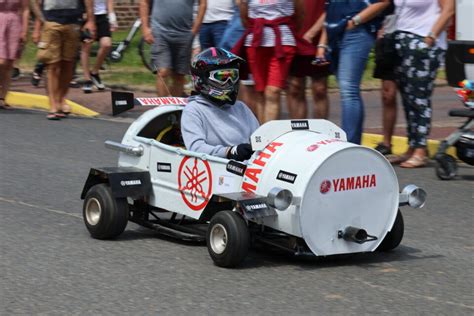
column 222, row 76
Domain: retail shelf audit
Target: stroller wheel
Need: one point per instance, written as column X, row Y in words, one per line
column 446, row 167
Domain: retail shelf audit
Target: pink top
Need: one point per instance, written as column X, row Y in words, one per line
column 10, row 5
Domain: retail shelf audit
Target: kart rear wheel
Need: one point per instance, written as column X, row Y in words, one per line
column 227, row 239
column 446, row 167
column 394, row 236
column 105, row 216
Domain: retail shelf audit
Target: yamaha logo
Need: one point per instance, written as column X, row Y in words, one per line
column 286, row 176
column 299, row 125
column 125, row 183
column 325, row 186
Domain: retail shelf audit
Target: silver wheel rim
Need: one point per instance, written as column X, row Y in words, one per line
column 218, row 238
column 93, row 211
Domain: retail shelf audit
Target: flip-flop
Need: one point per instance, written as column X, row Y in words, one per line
column 396, row 160
column 52, row 116
column 415, row 162
column 61, row 114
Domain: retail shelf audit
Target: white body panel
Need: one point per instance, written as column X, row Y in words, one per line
column 335, row 184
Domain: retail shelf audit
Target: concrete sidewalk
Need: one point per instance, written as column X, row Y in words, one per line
column 444, row 99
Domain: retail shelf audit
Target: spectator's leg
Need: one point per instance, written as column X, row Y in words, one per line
column 247, row 95
column 296, row 98
column 66, row 74
column 320, row 98
column 205, row 36
column 104, row 49
column 161, row 86
column 272, row 103
column 6, row 66
column 54, row 86
column 85, row 56
column 177, row 88
column 353, row 56
column 389, row 116
column 260, row 106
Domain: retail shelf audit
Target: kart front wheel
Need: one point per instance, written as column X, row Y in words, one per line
column 227, row 239
column 394, row 236
column 105, row 216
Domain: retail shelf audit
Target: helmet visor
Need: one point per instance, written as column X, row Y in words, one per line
column 223, row 76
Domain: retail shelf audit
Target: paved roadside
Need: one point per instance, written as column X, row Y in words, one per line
column 444, row 99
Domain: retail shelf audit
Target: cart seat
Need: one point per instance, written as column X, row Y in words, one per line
column 462, row 113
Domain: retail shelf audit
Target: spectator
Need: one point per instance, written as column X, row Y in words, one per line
column 302, row 67
column 13, row 35
column 214, row 122
column 421, row 43
column 351, row 27
column 270, row 45
column 232, row 33
column 385, row 63
column 172, row 31
column 59, row 45
column 105, row 22
column 218, row 14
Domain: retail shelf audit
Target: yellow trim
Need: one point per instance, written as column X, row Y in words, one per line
column 163, row 132
column 400, row 144
column 35, row 101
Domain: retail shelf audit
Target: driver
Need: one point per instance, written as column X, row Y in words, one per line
column 214, row 122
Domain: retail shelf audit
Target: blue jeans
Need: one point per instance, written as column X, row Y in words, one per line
column 353, row 55
column 211, row 34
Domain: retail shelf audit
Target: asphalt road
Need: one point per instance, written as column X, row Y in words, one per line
column 50, row 265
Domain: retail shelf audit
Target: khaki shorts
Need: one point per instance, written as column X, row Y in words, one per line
column 58, row 42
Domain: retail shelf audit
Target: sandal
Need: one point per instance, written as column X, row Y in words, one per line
column 53, row 116
column 396, row 160
column 60, row 114
column 415, row 162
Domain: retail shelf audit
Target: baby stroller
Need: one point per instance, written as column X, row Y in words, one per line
column 462, row 139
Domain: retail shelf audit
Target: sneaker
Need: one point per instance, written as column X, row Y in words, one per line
column 383, row 149
column 87, row 86
column 97, row 82
column 35, row 79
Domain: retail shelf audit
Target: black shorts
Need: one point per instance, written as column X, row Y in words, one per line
column 384, row 71
column 301, row 67
column 102, row 25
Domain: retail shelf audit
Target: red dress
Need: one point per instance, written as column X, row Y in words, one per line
column 10, row 29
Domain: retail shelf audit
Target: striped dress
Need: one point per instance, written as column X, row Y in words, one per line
column 10, row 29
column 271, row 10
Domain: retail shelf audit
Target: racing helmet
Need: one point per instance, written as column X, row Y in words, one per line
column 215, row 74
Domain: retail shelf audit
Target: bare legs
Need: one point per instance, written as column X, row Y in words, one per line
column 296, row 98
column 389, row 116
column 59, row 76
column 105, row 44
column 174, row 88
column 6, row 66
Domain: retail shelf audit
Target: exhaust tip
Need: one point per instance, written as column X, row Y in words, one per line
column 355, row 234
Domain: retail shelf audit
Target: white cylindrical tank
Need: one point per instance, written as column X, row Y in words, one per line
column 336, row 185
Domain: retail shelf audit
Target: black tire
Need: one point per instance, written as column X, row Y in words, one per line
column 446, row 167
column 144, row 49
column 105, row 216
column 234, row 248
column 394, row 236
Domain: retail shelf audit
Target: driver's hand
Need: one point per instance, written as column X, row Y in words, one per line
column 240, row 152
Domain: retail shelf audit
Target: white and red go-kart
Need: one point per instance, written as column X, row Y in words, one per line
column 305, row 189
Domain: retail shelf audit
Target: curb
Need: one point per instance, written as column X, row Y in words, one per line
column 400, row 144
column 36, row 101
